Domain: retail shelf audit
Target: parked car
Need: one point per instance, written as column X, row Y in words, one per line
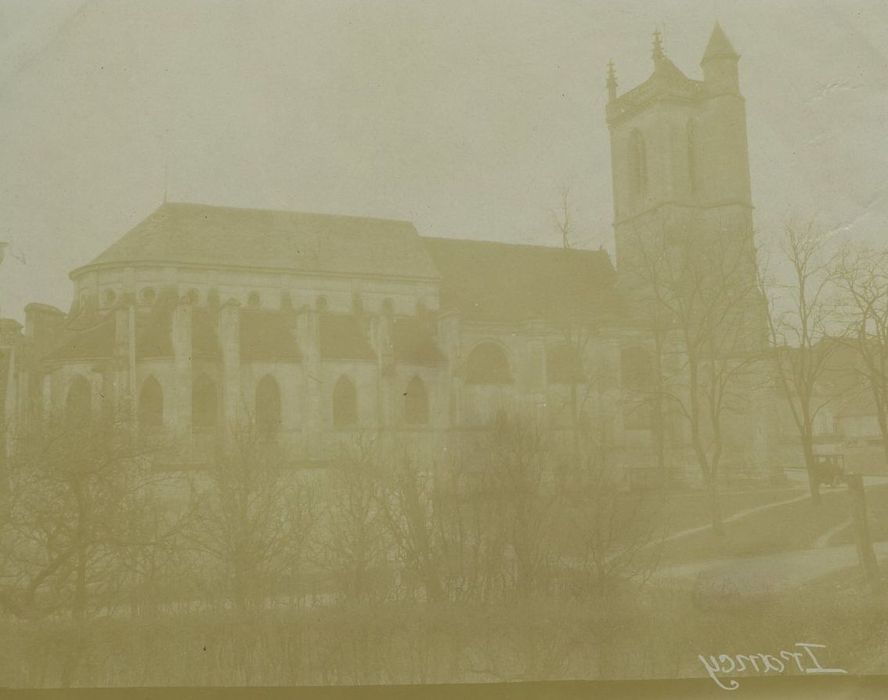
column 829, row 469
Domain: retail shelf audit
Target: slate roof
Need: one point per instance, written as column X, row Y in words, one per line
column 480, row 280
column 90, row 335
column 268, row 335
column 343, row 337
column 214, row 236
column 505, row 282
column 414, row 342
column 90, row 342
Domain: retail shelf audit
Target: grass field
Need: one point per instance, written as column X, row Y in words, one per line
column 683, row 511
column 783, row 528
column 877, row 512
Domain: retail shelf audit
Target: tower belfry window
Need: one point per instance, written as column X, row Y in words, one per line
column 637, row 164
column 692, row 157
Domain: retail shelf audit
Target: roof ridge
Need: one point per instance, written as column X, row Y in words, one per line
column 291, row 212
column 536, row 246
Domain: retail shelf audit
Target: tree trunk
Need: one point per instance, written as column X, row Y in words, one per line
column 862, row 534
column 74, row 645
column 433, row 590
column 811, row 468
column 659, row 415
column 718, row 527
column 71, row 660
column 706, row 467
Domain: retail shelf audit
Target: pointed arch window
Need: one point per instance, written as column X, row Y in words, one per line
column 488, row 364
column 345, row 403
column 204, row 403
column 151, row 403
column 416, row 403
column 692, row 156
column 78, row 403
column 637, row 164
column 268, row 405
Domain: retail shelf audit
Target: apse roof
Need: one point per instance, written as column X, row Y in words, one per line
column 213, row 236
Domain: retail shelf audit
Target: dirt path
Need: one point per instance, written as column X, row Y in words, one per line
column 768, row 573
column 779, row 571
column 826, row 537
column 739, row 515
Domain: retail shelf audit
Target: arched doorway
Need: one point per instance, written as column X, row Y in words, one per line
column 268, row 405
column 204, row 403
column 416, row 403
column 151, row 404
column 345, row 403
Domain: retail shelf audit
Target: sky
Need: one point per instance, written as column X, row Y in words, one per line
column 466, row 117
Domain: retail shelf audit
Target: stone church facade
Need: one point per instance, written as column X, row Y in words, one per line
column 319, row 328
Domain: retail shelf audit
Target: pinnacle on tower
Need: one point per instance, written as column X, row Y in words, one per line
column 719, row 45
column 658, row 54
column 611, row 80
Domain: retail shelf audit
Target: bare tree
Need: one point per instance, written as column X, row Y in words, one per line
column 612, row 534
column 700, row 281
column 578, row 327
column 410, row 514
column 81, row 495
column 563, row 219
column 591, row 423
column 251, row 517
column 81, row 506
column 861, row 275
column 352, row 544
column 515, row 454
column 798, row 317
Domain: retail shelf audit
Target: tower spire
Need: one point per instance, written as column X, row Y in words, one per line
column 719, row 63
column 657, row 52
column 611, row 81
column 719, row 45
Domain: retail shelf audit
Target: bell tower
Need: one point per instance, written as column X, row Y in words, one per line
column 679, row 149
column 684, row 236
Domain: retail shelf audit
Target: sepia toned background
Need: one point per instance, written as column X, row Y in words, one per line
column 466, row 118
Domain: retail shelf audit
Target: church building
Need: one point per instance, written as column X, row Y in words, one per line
column 317, row 328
